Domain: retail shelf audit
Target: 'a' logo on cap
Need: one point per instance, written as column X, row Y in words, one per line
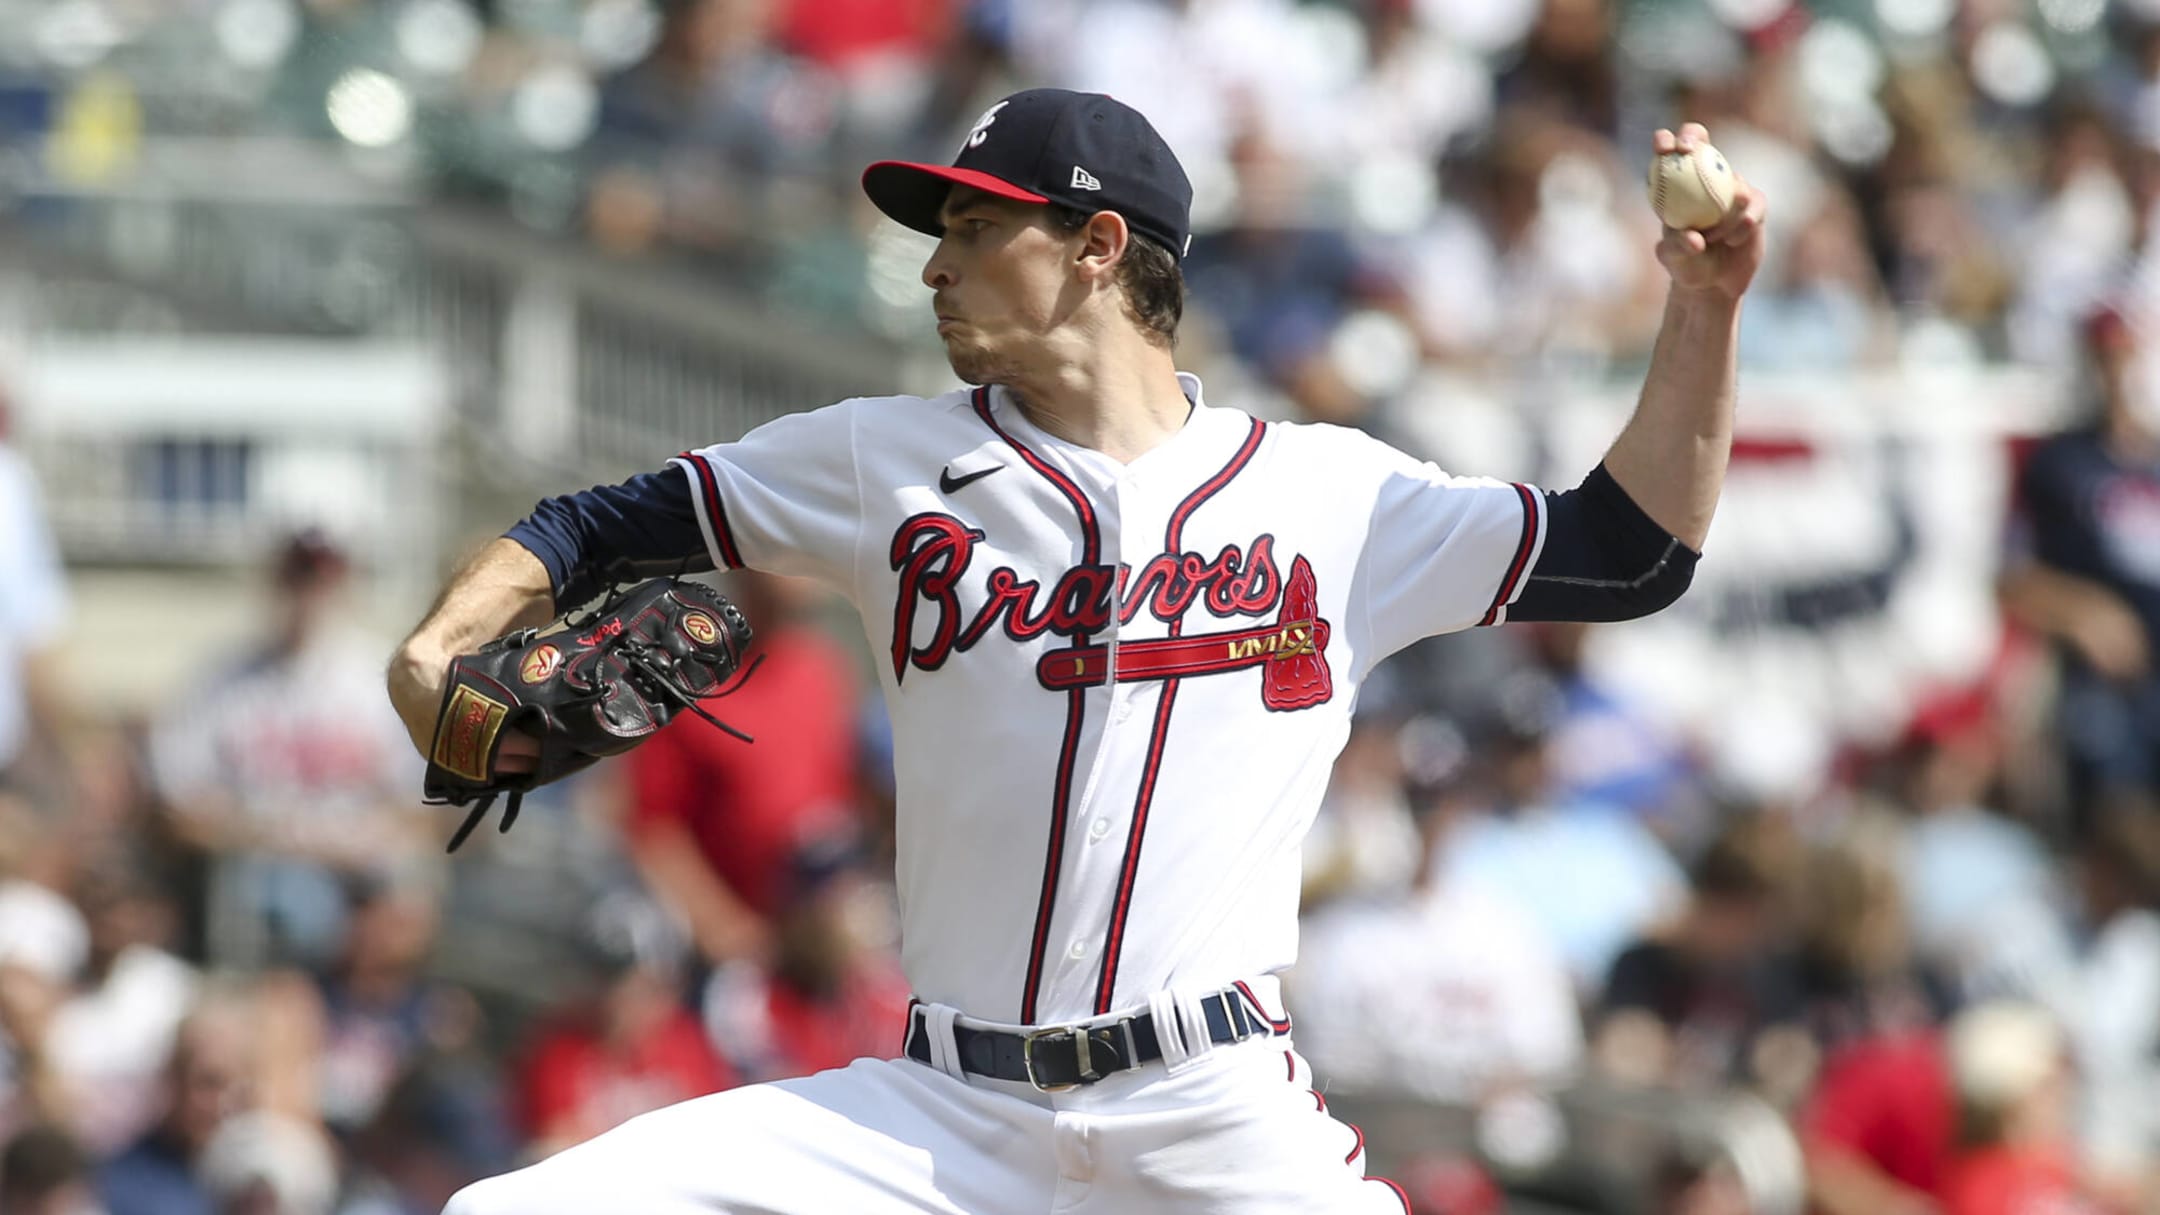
column 1084, row 180
column 981, row 130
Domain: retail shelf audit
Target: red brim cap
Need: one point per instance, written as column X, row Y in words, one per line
column 912, row 194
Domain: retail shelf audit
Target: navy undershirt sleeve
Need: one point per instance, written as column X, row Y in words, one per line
column 643, row 528
column 1604, row 559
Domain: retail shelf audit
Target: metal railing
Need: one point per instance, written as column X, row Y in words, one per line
column 588, row 363
column 564, row 365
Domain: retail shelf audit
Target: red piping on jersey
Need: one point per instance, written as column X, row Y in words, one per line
column 1359, row 1146
column 1400, row 1195
column 1075, row 710
column 715, row 511
column 1173, row 542
column 1114, row 938
column 1260, row 1010
column 1519, row 566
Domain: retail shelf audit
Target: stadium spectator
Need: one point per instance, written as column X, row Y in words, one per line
column 1824, row 310
column 2081, row 572
column 714, row 824
column 1210, row 73
column 44, row 1172
column 43, row 942
column 627, row 1049
column 2012, row 1077
column 1857, row 975
column 1447, row 991
column 1688, row 1008
column 875, row 38
column 1571, row 277
column 210, row 1080
column 686, row 136
column 1421, row 92
column 285, row 771
column 33, row 611
column 2078, row 235
column 1568, row 69
column 264, row 1163
column 1970, row 874
column 1590, row 876
column 1606, row 747
column 1880, row 1126
column 113, row 1031
column 2097, row 972
column 1941, row 267
column 1283, row 281
column 344, row 1035
column 832, row 992
column 443, row 1127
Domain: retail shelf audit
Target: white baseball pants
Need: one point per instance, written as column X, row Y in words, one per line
column 1237, row 1130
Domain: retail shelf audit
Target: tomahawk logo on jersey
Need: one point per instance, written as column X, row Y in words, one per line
column 1160, row 660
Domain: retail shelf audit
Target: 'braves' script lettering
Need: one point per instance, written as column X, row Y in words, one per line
column 931, row 553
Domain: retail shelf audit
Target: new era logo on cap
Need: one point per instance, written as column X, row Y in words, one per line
column 1032, row 147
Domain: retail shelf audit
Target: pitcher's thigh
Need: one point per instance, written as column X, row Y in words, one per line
column 1254, row 1138
column 874, row 1138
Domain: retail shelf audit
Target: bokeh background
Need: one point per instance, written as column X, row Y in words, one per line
column 1832, row 888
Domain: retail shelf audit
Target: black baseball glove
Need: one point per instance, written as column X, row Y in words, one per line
column 599, row 686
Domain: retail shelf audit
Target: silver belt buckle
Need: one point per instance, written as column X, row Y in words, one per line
column 1080, row 1055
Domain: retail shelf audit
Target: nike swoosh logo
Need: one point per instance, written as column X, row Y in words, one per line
column 952, row 484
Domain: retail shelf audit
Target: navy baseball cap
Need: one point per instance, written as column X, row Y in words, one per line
column 1080, row 150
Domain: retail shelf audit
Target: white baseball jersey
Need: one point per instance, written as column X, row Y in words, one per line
column 1117, row 689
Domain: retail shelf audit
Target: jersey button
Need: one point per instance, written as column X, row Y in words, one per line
column 1098, row 829
column 1078, row 950
column 1124, row 711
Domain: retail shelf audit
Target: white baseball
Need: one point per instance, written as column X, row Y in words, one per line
column 1691, row 188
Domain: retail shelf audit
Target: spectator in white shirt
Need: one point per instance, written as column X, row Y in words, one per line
column 288, row 770
column 33, row 608
column 1449, row 993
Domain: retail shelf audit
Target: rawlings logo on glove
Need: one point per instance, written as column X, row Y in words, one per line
column 597, row 688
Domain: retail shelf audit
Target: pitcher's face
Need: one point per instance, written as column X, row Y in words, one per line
column 1003, row 279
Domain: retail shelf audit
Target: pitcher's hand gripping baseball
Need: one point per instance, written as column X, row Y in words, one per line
column 1713, row 242
column 598, row 687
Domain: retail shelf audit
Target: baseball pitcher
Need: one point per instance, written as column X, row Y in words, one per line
column 1120, row 630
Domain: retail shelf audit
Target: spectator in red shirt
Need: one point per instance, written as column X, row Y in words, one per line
column 2012, row 1078
column 715, row 824
column 1878, row 1128
column 629, row 1050
column 842, row 34
column 833, row 993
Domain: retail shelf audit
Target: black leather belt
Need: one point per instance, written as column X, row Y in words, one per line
column 1065, row 1057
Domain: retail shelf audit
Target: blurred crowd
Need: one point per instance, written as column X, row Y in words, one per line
column 1382, row 185
column 231, row 975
